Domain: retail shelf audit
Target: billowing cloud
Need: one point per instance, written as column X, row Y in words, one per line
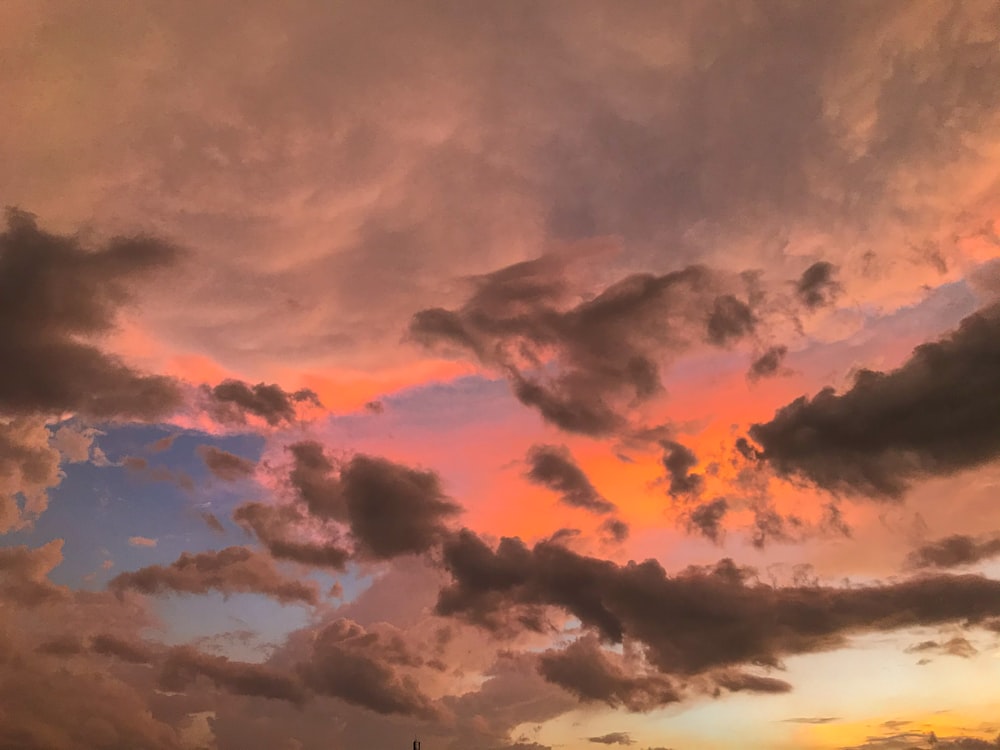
column 281, row 529
column 55, row 294
column 230, row 571
column 932, row 416
column 955, row 646
column 225, row 465
column 707, row 518
column 358, row 667
column 592, row 674
column 29, row 468
column 553, row 466
column 24, row 574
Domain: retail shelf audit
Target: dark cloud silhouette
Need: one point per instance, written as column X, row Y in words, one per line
column 768, row 363
column 231, row 401
column 392, row 509
column 954, row 551
column 276, row 527
column 731, row 319
column 678, row 460
column 707, row 518
column 553, row 466
column 923, row 740
column 615, row 529
column 587, row 671
column 359, row 667
column 184, row 664
column 603, row 353
column 931, row 417
column 818, row 287
column 61, row 646
column 738, row 682
column 141, row 467
column 702, row 618
column 313, row 480
column 225, row 465
column 613, row 738
column 56, row 294
column 230, row 571
column 813, row 720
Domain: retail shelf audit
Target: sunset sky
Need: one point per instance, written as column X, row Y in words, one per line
column 506, row 375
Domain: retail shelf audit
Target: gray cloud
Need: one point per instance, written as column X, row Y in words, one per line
column 54, row 295
column 954, row 551
column 231, row 401
column 613, row 738
column 768, row 363
column 930, row 417
column 818, row 287
column 553, row 466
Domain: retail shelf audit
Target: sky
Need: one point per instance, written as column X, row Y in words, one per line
column 502, row 375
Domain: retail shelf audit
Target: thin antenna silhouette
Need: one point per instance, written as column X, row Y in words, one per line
column 416, row 744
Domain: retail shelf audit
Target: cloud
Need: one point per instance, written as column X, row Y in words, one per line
column 678, row 460
column 277, row 525
column 818, row 287
column 231, row 401
column 55, row 295
column 358, row 666
column 813, row 720
column 929, row 417
column 225, row 465
column 131, row 652
column 29, row 468
column 24, row 574
column 767, row 364
column 613, row 738
column 615, row 529
column 390, row 509
column 141, row 541
column 957, row 646
column 594, row 675
column 921, row 740
column 707, row 518
column 553, row 466
column 141, row 467
column 213, row 522
column 703, row 618
column 184, row 664
column 599, row 354
column 954, row 551
column 230, row 571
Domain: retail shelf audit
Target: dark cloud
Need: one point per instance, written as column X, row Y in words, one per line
column 678, row 460
column 587, row 671
column 225, row 465
column 818, row 287
column 360, row 667
column 276, row 526
column 140, row 466
column 184, row 664
column 553, row 466
column 602, row 354
column 230, row 571
column 392, row 509
column 768, row 363
column 55, row 294
column 954, row 551
column 933, row 416
column 615, row 529
column 313, row 480
column 923, row 740
column 738, row 682
column 707, row 518
column 613, row 738
column 813, row 720
column 701, row 618
column 62, row 646
column 731, row 319
column 231, row 401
